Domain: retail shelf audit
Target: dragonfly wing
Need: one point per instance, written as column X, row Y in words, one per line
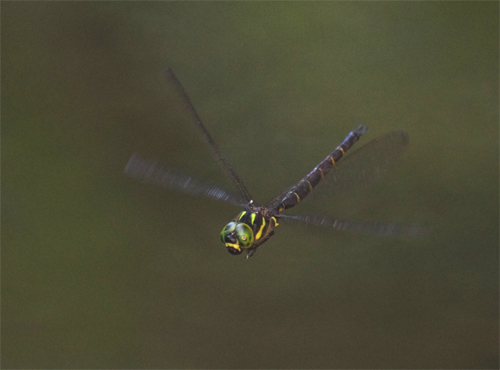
column 221, row 160
column 368, row 163
column 152, row 172
column 361, row 167
column 375, row 228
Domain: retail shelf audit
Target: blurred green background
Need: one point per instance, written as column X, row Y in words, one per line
column 100, row 271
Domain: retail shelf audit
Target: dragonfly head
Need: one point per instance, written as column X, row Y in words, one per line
column 237, row 236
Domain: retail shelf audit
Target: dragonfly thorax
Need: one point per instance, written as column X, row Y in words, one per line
column 248, row 230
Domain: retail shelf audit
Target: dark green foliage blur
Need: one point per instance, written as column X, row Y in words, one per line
column 100, row 271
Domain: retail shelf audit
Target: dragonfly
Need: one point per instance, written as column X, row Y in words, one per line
column 254, row 224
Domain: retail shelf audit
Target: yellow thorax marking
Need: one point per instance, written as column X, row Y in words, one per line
column 275, row 222
column 253, row 217
column 235, row 246
column 242, row 214
column 259, row 234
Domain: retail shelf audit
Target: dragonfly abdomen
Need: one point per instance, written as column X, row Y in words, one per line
column 309, row 182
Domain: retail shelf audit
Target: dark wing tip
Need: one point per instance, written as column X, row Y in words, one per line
column 169, row 74
column 403, row 135
column 406, row 137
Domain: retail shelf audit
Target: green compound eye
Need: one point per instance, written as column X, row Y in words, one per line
column 245, row 236
column 228, row 229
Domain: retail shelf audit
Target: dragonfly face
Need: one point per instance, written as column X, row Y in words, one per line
column 248, row 230
column 237, row 236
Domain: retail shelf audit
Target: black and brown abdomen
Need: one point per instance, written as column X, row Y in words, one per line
column 300, row 191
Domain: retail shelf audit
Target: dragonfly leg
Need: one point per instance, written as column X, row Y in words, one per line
column 250, row 253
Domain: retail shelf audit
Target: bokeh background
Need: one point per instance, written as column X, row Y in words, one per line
column 100, row 271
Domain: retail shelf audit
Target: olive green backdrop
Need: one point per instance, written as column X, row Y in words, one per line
column 100, row 271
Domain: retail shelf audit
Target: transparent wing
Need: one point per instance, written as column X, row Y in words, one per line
column 378, row 229
column 221, row 160
column 368, row 163
column 152, row 172
column 360, row 167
